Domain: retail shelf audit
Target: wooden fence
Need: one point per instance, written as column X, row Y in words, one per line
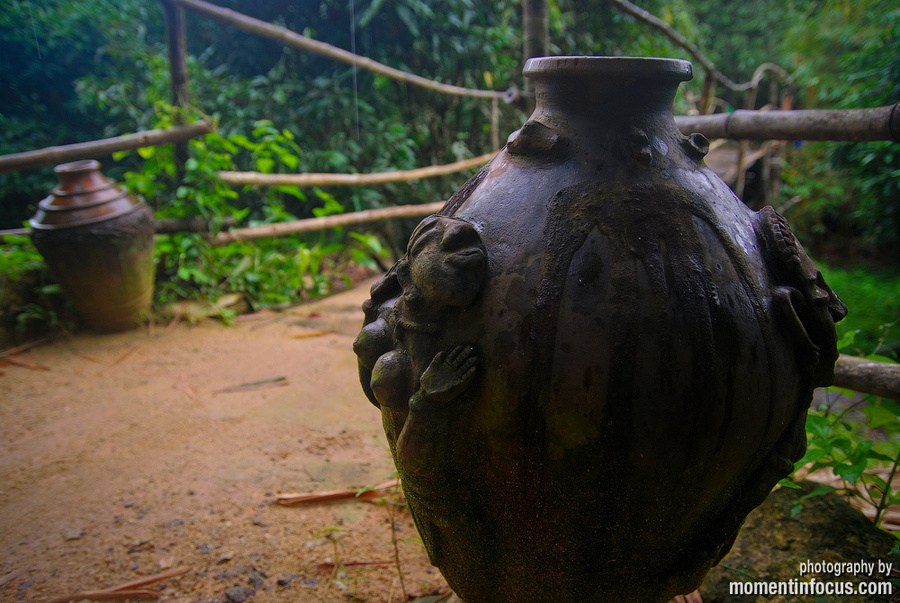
column 882, row 123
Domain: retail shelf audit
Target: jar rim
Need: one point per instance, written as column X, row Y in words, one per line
column 609, row 66
column 81, row 165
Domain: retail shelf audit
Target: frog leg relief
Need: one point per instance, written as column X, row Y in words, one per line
column 449, row 374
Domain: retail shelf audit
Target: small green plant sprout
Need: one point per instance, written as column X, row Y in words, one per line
column 333, row 535
column 392, row 500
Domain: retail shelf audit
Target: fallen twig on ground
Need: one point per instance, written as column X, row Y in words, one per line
column 311, row 334
column 85, row 356
column 268, row 321
column 186, row 386
column 129, row 590
column 176, row 317
column 28, row 365
column 22, row 348
column 330, row 565
column 127, row 353
column 7, row 356
column 357, row 494
column 99, row 595
column 254, row 385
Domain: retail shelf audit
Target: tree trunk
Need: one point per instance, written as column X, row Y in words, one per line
column 535, row 32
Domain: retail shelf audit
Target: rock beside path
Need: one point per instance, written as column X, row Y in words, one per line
column 772, row 546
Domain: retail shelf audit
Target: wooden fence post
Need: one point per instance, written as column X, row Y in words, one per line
column 706, row 96
column 177, row 45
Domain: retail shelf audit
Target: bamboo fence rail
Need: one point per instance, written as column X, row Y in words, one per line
column 312, row 179
column 101, row 148
column 856, row 125
column 197, row 224
column 868, row 376
column 312, row 224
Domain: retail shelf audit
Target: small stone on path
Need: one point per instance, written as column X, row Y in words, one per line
column 225, row 557
column 239, row 594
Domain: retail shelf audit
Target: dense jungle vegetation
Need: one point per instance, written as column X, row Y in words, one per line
column 78, row 70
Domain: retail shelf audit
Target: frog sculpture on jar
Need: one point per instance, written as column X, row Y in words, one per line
column 594, row 361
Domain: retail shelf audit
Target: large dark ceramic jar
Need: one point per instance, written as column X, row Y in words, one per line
column 97, row 240
column 595, row 360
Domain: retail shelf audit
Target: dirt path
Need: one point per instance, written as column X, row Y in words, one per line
column 126, row 459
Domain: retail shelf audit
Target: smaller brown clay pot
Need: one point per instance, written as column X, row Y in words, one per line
column 97, row 240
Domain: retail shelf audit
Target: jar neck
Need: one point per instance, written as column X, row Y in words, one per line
column 605, row 91
column 80, row 177
column 602, row 102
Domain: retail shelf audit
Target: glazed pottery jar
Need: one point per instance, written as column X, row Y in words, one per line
column 97, row 240
column 595, row 360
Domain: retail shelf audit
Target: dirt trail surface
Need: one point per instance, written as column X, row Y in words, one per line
column 142, row 452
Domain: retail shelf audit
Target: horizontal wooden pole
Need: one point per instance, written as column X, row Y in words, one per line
column 868, row 376
column 101, row 148
column 258, row 179
column 292, row 38
column 197, row 224
column 854, row 125
column 312, row 224
column 14, row 232
column 189, row 224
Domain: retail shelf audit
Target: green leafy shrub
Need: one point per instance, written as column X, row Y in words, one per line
column 268, row 272
column 31, row 303
column 850, row 59
column 856, row 436
column 858, row 439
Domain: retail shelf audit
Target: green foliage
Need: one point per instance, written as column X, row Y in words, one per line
column 740, row 36
column 31, row 303
column 817, row 204
column 873, row 299
column 858, row 439
column 851, row 59
column 875, row 176
column 18, row 257
column 853, row 435
column 47, row 46
column 268, row 272
column 854, row 441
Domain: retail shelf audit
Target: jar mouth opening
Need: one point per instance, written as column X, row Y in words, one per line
column 676, row 70
column 83, row 165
